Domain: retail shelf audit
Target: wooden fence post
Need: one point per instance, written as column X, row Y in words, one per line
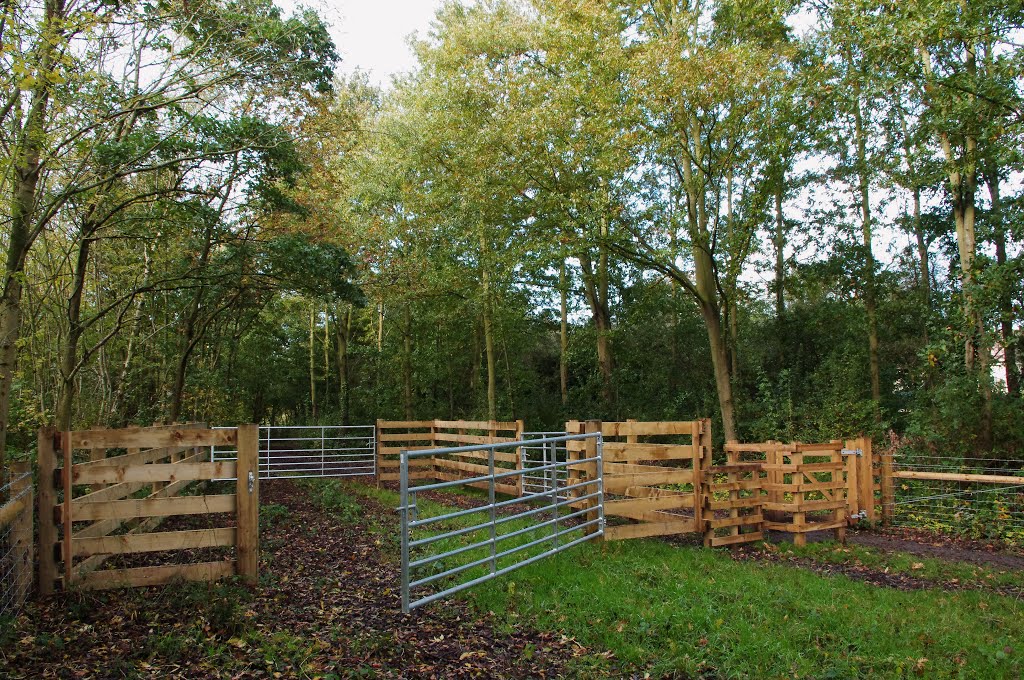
column 888, row 491
column 852, row 480
column 248, row 494
column 866, row 477
column 47, row 505
column 377, row 453
column 21, row 529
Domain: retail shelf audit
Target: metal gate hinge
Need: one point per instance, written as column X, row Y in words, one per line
column 852, row 452
column 252, row 481
column 863, row 514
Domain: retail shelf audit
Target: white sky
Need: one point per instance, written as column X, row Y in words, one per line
column 371, row 34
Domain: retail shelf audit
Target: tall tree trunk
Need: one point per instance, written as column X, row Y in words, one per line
column 69, row 354
column 26, row 168
column 488, row 319
column 407, row 361
column 596, row 290
column 711, row 311
column 1012, row 374
column 342, row 330
column 563, row 334
column 780, row 250
column 870, row 302
column 312, row 361
column 326, row 397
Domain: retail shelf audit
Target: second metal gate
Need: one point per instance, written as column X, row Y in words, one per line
column 298, row 451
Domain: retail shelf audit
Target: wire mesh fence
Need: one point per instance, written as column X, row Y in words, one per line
column 973, row 497
column 15, row 543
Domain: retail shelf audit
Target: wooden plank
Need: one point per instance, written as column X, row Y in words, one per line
column 156, row 507
column 805, row 506
column 650, row 429
column 617, row 507
column 113, row 492
column 805, row 527
column 826, row 449
column 472, row 468
column 499, row 456
column 718, row 541
column 156, row 542
column 628, row 452
column 653, row 492
column 806, row 467
column 456, row 438
column 406, row 436
column 745, row 485
column 804, row 487
column 156, row 576
column 149, row 438
column 247, row 492
column 394, row 476
column 507, row 489
column 755, row 447
column 647, row 529
column 958, row 477
column 742, row 520
column 403, row 424
column 617, row 469
column 396, row 463
column 396, row 450
column 473, row 425
column 134, row 458
column 12, row 509
column 733, row 468
column 157, row 472
column 620, row 483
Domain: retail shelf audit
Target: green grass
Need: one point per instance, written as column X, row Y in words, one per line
column 696, row 611
column 928, row 568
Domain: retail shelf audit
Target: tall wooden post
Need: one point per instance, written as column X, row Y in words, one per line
column 888, row 490
column 866, row 478
column 248, row 494
column 853, row 486
column 47, row 445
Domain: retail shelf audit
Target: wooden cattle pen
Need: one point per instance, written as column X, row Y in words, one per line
column 103, row 493
column 394, row 436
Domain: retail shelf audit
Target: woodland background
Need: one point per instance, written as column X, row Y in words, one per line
column 803, row 219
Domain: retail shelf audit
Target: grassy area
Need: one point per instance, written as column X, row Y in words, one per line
column 932, row 569
column 696, row 611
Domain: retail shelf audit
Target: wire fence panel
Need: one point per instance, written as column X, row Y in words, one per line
column 535, row 460
column 446, row 550
column 299, row 451
column 15, row 543
column 979, row 498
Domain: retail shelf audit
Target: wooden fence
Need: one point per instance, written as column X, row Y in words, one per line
column 417, row 435
column 653, row 473
column 102, row 493
column 16, row 545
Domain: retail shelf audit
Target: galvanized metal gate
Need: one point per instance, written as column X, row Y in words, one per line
column 449, row 550
column 299, row 451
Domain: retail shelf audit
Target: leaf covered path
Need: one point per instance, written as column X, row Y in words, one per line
column 327, row 606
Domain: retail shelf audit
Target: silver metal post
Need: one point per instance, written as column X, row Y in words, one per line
column 494, row 526
column 554, row 513
column 404, row 510
column 600, row 483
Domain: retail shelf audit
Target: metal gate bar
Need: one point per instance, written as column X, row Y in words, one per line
column 301, row 451
column 563, row 524
column 533, row 455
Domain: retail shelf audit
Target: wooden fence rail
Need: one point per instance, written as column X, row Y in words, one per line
column 417, row 435
column 103, row 493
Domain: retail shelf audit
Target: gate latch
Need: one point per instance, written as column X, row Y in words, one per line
column 863, row 514
column 852, row 452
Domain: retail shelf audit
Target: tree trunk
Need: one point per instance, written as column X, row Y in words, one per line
column 69, row 355
column 563, row 335
column 1005, row 297
column 711, row 311
column 492, row 385
column 342, row 330
column 407, row 361
column 870, row 302
column 596, row 293
column 780, row 251
column 312, row 361
column 25, row 172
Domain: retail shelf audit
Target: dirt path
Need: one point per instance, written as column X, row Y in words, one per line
column 328, row 606
column 932, row 546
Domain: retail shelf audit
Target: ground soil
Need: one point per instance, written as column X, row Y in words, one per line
column 327, row 582
column 929, row 544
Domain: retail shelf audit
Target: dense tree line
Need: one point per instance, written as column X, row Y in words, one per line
column 802, row 219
